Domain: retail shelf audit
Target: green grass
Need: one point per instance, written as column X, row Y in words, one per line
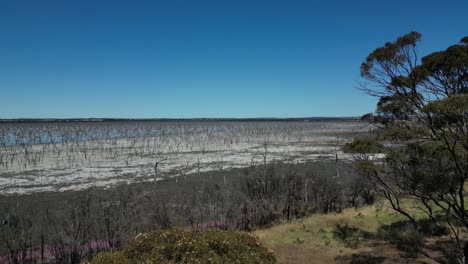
column 336, row 237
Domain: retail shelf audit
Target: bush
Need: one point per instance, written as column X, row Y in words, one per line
column 179, row 246
column 405, row 236
column 429, row 228
column 349, row 235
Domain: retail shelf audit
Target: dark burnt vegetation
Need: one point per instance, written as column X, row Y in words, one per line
column 70, row 227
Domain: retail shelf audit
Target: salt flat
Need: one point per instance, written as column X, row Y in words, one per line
column 178, row 149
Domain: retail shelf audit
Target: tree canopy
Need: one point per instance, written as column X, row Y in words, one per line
column 422, row 121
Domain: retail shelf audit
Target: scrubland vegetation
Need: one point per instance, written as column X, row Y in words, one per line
column 68, row 227
column 178, row 246
column 368, row 234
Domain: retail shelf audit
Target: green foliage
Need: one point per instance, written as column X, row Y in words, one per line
column 403, row 134
column 428, row 227
column 363, row 145
column 447, row 67
column 368, row 117
column 450, row 111
column 394, row 107
column 404, row 236
column 464, row 40
column 422, row 114
column 365, row 167
column 325, row 236
column 390, row 53
column 349, row 235
column 427, row 168
column 179, row 246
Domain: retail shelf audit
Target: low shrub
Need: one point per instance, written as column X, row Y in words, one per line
column 349, row 235
column 429, row 228
column 179, row 246
column 404, row 235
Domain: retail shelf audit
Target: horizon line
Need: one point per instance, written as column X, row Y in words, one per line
column 99, row 119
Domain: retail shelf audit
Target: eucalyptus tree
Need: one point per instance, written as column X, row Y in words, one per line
column 422, row 113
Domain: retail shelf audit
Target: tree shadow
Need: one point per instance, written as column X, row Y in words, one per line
column 351, row 236
column 361, row 258
column 409, row 238
column 447, row 251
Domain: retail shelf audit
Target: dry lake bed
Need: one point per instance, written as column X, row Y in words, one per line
column 50, row 156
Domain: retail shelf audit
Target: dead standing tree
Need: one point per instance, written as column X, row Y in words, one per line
column 156, row 164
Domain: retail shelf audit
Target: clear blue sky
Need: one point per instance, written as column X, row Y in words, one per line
column 203, row 58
